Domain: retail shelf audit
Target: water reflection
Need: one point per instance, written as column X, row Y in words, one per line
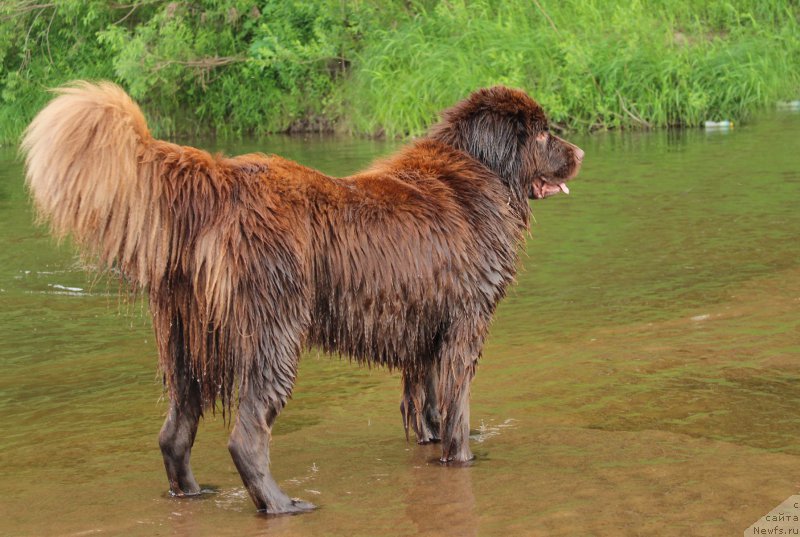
column 439, row 499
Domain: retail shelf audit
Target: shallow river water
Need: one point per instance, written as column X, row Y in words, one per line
column 641, row 379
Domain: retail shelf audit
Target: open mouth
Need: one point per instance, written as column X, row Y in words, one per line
column 540, row 188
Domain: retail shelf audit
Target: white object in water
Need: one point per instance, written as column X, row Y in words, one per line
column 789, row 105
column 725, row 124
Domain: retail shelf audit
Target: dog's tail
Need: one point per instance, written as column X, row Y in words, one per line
column 93, row 174
column 141, row 206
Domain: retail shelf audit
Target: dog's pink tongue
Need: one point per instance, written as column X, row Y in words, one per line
column 564, row 188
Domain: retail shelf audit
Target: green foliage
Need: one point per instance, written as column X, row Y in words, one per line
column 239, row 67
column 225, row 67
column 41, row 48
column 592, row 64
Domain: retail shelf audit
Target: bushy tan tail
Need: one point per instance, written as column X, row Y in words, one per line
column 92, row 175
column 140, row 204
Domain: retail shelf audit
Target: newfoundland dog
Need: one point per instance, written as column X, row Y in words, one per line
column 247, row 260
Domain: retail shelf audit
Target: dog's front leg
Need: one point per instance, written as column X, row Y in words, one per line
column 458, row 357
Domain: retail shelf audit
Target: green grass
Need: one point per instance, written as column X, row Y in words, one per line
column 591, row 64
column 240, row 67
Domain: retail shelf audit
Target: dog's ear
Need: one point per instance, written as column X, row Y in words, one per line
column 494, row 125
column 495, row 138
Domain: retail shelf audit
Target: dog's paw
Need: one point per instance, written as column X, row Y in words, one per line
column 293, row 506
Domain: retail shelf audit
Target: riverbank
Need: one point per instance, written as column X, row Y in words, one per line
column 238, row 68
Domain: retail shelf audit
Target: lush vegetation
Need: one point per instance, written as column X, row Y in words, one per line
column 245, row 67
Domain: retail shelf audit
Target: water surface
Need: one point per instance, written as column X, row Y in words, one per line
column 641, row 378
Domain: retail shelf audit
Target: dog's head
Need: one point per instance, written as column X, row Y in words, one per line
column 508, row 132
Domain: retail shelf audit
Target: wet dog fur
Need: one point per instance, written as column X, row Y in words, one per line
column 247, row 260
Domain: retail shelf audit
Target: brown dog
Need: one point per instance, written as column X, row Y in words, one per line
column 246, row 260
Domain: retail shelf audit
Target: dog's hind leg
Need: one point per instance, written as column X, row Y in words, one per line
column 249, row 447
column 419, row 405
column 178, row 432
